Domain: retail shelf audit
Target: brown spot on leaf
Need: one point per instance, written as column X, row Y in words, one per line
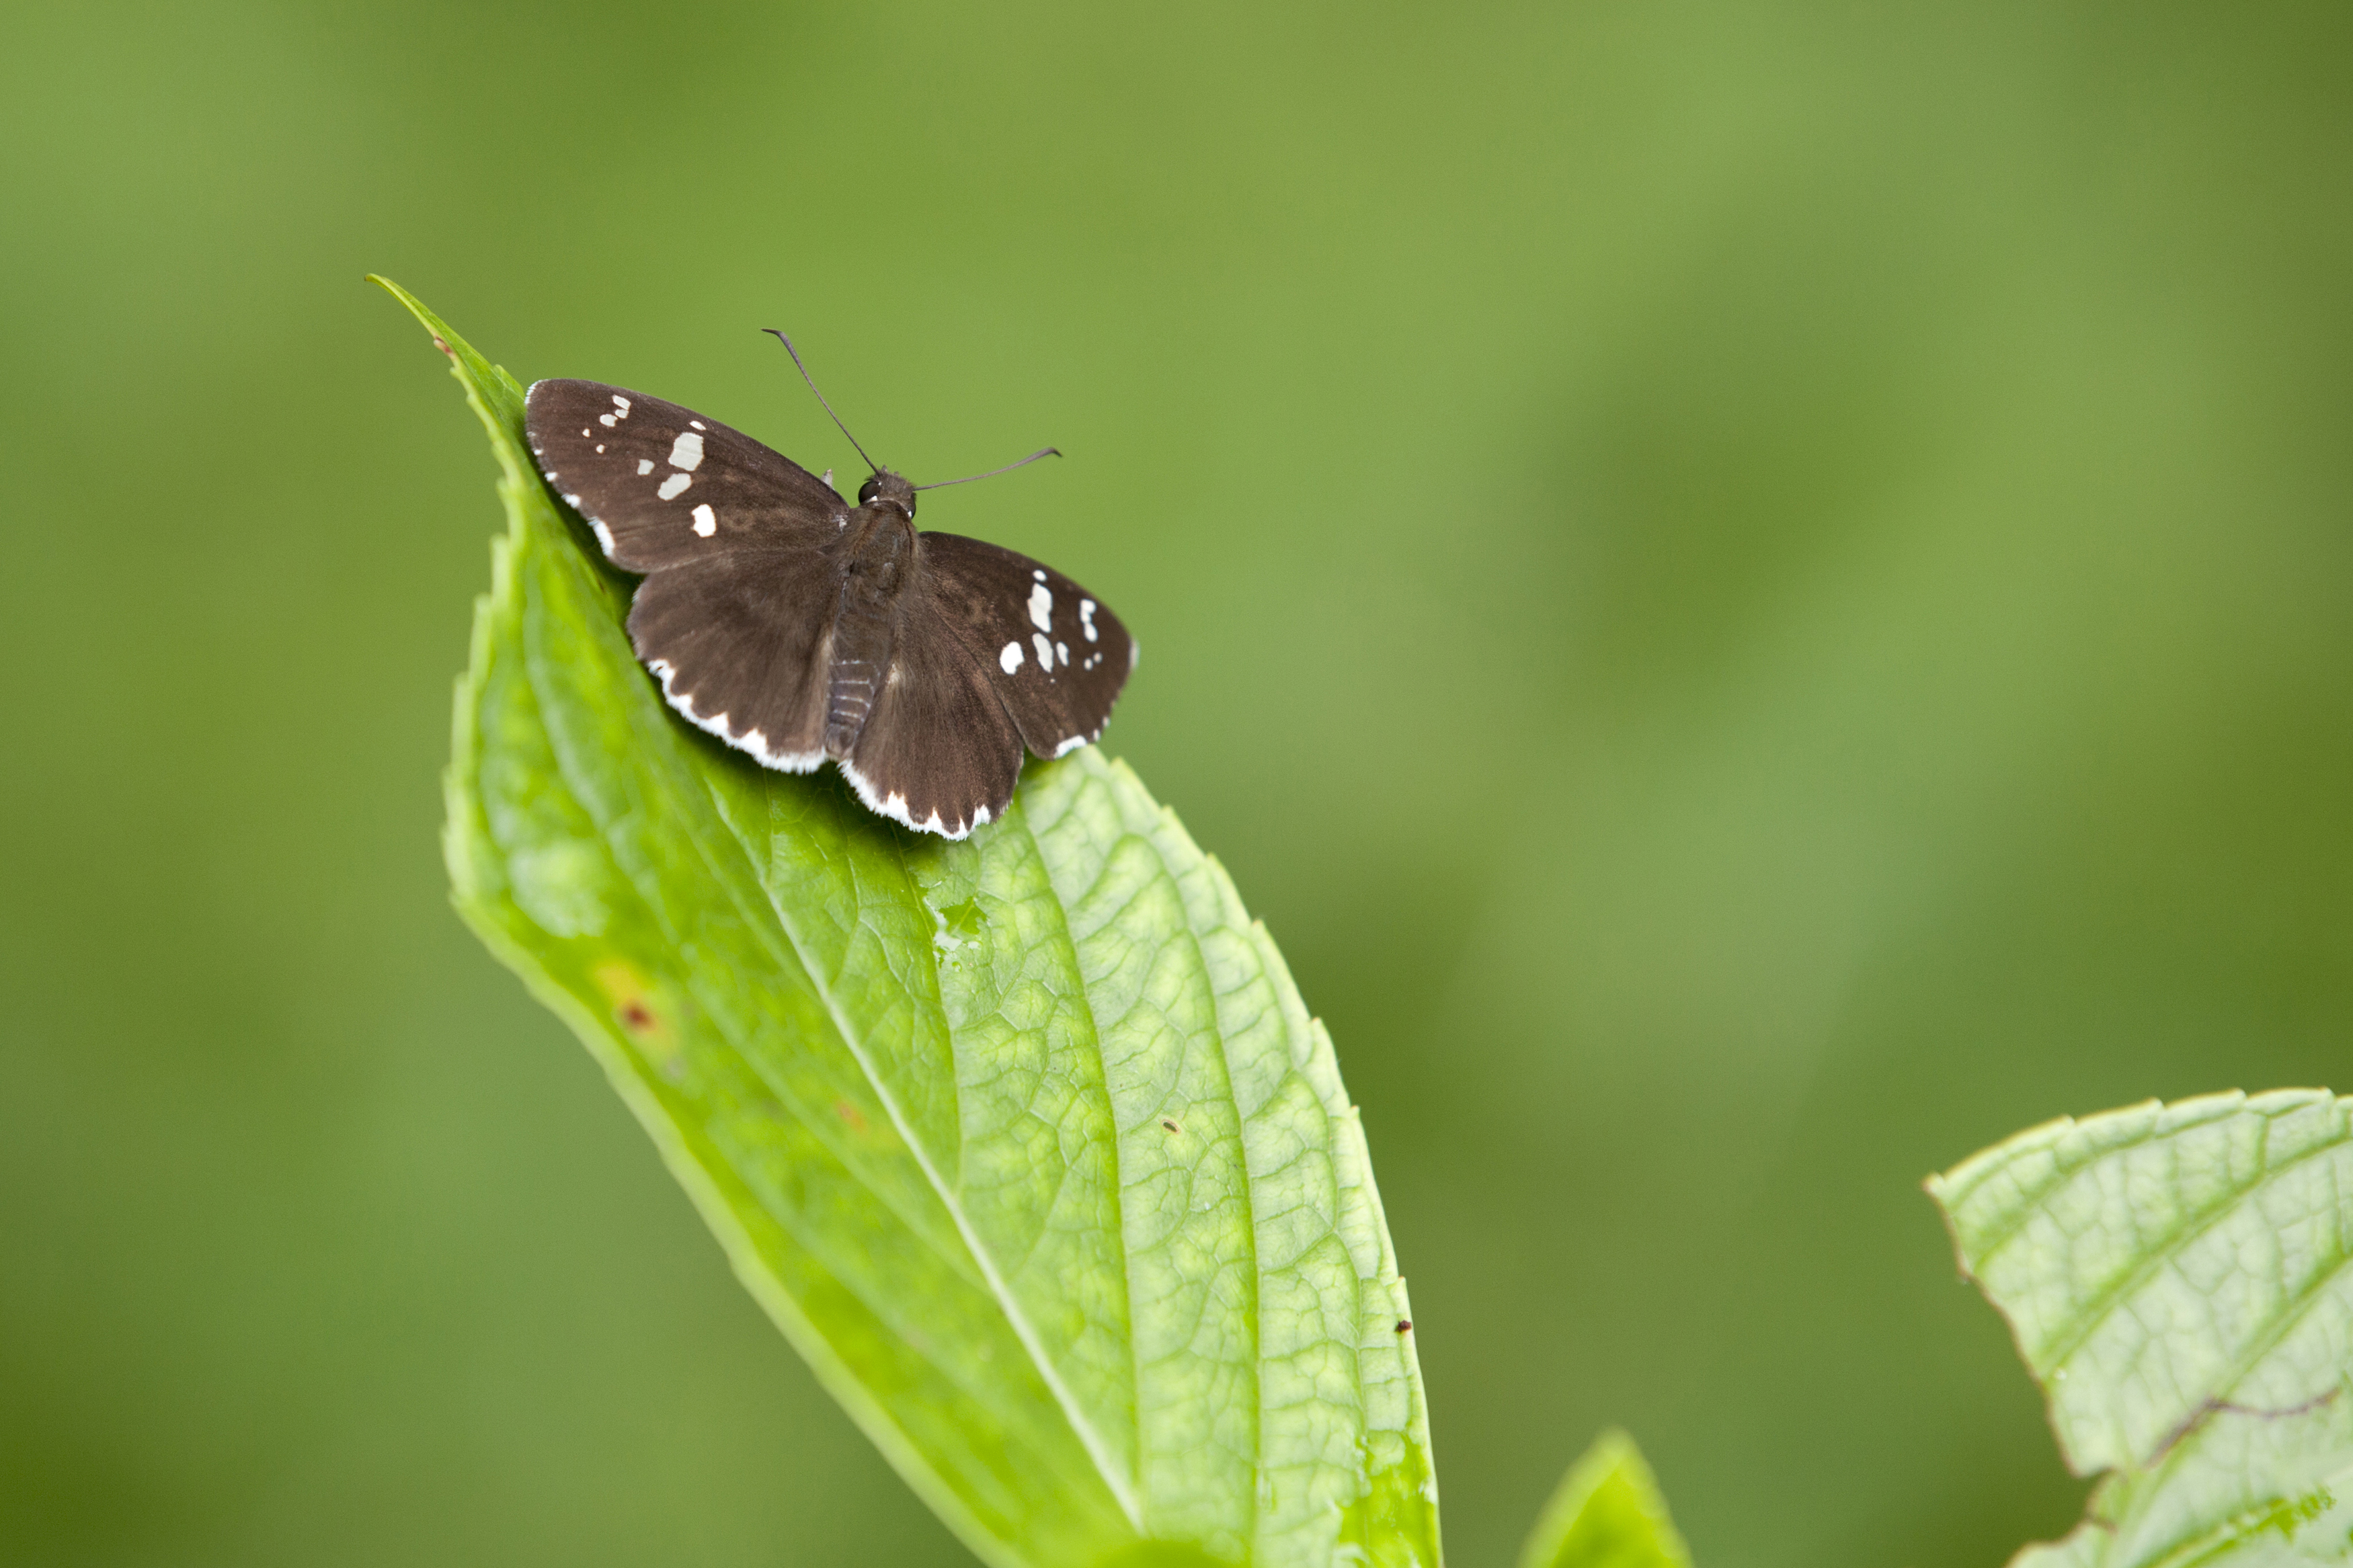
column 637, row 1007
column 1405, row 1325
column 851, row 1115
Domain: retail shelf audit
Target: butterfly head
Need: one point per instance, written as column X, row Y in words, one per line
column 890, row 490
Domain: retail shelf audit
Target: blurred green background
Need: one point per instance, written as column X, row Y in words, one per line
column 1758, row 595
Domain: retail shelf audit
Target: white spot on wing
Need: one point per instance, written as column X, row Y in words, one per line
column 1072, row 744
column 675, row 486
column 1041, row 608
column 1011, row 657
column 686, row 452
column 607, row 420
column 600, row 447
column 1063, row 652
column 1086, row 611
column 1039, row 573
column 698, row 423
column 1045, row 649
column 706, row 522
column 620, row 405
column 645, row 465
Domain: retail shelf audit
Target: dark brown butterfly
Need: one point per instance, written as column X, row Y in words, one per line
column 799, row 628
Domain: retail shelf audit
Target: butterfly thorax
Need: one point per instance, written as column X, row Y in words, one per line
column 880, row 562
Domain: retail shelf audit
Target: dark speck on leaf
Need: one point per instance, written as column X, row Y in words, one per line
column 1404, row 1325
column 1171, row 1126
column 636, row 1016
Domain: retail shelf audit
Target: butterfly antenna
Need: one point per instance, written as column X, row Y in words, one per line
column 1040, row 452
column 820, row 397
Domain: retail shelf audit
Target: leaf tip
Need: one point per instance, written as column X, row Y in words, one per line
column 1608, row 1512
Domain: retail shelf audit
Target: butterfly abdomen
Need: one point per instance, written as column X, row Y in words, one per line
column 848, row 704
column 879, row 549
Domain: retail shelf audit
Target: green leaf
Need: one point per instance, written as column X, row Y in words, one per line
column 2176, row 1278
column 1026, row 1142
column 1608, row 1512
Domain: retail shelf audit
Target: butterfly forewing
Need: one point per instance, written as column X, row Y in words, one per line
column 662, row 484
column 1056, row 657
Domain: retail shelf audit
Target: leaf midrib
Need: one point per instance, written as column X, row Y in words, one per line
column 853, row 1040
column 1189, row 933
column 1118, row 1155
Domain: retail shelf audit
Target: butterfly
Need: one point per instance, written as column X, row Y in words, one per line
column 802, row 629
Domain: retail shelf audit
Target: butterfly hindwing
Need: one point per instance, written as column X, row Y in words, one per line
column 739, row 642
column 938, row 750
column 662, row 484
column 1056, row 657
